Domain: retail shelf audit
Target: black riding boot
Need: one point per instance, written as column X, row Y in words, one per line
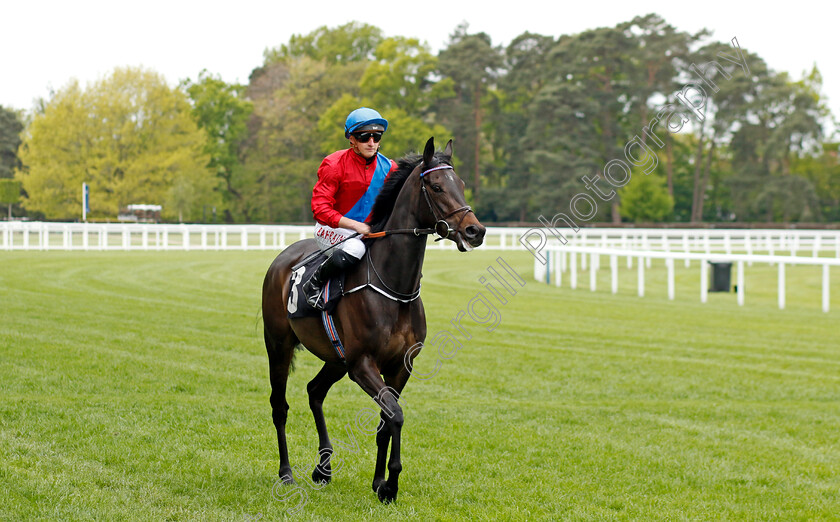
column 334, row 264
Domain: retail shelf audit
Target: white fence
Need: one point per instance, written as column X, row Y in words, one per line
column 561, row 259
column 17, row 235
column 726, row 241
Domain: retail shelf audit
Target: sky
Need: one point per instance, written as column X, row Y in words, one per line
column 45, row 44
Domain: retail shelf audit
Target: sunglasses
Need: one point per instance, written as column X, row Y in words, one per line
column 363, row 137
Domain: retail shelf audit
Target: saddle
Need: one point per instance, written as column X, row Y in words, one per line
column 331, row 294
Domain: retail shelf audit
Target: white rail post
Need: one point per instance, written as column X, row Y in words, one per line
column 549, row 259
column 748, row 245
column 244, row 240
column 825, row 287
column 558, row 272
column 781, row 286
column 614, row 273
column 704, row 280
column 573, row 270
column 592, row 273
column 686, row 248
column 670, row 264
column 641, row 272
column 740, row 283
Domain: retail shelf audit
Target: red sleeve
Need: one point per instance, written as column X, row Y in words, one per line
column 323, row 194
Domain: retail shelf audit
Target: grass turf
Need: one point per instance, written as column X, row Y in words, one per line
column 134, row 387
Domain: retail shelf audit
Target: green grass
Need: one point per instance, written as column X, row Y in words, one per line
column 134, row 386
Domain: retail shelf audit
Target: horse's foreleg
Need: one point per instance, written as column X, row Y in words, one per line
column 366, row 374
column 383, row 436
column 318, row 388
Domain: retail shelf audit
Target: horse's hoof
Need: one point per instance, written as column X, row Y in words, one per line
column 377, row 482
column 321, row 476
column 386, row 493
column 286, row 476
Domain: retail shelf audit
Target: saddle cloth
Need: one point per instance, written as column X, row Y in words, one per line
column 333, row 289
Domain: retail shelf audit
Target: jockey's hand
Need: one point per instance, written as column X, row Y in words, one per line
column 362, row 228
column 352, row 224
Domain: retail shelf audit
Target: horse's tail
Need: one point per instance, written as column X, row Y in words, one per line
column 280, row 340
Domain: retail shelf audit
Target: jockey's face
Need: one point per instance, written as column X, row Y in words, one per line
column 366, row 149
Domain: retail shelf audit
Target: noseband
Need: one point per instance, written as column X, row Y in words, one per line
column 442, row 228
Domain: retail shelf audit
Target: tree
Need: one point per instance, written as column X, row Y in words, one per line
column 351, row 42
column 661, row 54
column 9, row 193
column 222, row 111
column 399, row 84
column 509, row 195
column 472, row 63
column 129, row 136
column 782, row 121
column 823, row 171
column 645, row 199
column 10, row 129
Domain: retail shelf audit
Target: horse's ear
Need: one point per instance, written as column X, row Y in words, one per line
column 448, row 150
column 429, row 152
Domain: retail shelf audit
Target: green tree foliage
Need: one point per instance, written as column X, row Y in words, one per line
column 645, row 199
column 528, row 121
column 351, row 42
column 129, row 136
column 471, row 63
column 823, row 171
column 10, row 131
column 222, row 111
column 9, row 193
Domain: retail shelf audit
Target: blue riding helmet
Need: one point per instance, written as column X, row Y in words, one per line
column 364, row 117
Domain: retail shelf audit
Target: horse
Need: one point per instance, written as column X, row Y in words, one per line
column 383, row 324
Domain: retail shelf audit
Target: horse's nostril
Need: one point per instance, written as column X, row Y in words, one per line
column 471, row 231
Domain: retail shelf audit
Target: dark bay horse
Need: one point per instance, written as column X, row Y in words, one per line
column 378, row 324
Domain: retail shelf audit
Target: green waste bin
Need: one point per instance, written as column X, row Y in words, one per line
column 721, row 276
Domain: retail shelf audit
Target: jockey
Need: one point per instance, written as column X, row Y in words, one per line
column 348, row 183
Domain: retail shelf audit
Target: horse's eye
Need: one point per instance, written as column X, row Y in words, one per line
column 437, row 188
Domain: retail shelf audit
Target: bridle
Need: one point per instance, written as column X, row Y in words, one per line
column 441, row 225
column 441, row 228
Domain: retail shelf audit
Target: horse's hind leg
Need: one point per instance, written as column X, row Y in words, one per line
column 318, row 388
column 280, row 354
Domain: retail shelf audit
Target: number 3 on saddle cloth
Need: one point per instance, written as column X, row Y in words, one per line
column 332, row 291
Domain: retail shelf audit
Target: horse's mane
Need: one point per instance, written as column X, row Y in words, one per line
column 383, row 207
